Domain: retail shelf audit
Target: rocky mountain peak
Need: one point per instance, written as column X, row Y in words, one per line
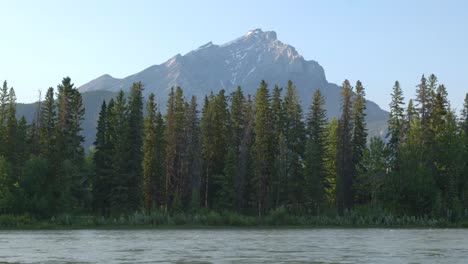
column 260, row 35
column 257, row 55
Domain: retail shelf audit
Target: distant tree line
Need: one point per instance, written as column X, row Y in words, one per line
column 242, row 153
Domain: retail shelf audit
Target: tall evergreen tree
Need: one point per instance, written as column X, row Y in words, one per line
column 279, row 181
column 424, row 98
column 4, row 98
column 11, row 135
column 315, row 173
column 66, row 161
column 244, row 165
column 77, row 112
column 396, row 123
column 223, row 184
column 117, row 116
column 150, row 160
column 102, row 164
column 175, row 178
column 344, row 162
column 359, row 138
column 134, row 141
column 464, row 135
column 207, row 149
column 330, row 163
column 411, row 114
column 262, row 147
column 160, row 152
column 464, row 116
column 294, row 132
column 47, row 123
column 236, row 126
column 191, row 196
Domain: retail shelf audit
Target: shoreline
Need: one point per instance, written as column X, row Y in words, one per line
column 215, row 221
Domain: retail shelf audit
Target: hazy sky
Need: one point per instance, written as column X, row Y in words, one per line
column 377, row 42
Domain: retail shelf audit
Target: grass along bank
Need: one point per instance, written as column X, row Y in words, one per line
column 211, row 219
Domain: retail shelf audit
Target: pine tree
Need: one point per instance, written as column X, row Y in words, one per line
column 150, row 179
column 262, row 147
column 134, row 142
column 294, row 132
column 232, row 165
column 411, row 114
column 207, row 151
column 67, row 159
column 191, row 197
column 315, row 173
column 48, row 119
column 345, row 165
column 215, row 138
column 464, row 116
column 423, row 98
column 11, row 135
column 181, row 176
column 396, row 123
column 161, row 153
column 117, row 116
column 175, row 122
column 464, row 135
column 359, row 138
column 330, row 163
column 223, row 184
column 279, row 181
column 440, row 108
column 244, row 165
column 102, row 164
column 277, row 112
column 77, row 112
column 4, row 97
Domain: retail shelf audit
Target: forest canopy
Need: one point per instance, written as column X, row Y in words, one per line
column 242, row 153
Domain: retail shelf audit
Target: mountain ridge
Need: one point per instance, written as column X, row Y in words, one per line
column 245, row 61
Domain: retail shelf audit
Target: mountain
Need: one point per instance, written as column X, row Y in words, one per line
column 245, row 61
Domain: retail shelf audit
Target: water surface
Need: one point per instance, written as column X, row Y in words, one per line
column 236, row 246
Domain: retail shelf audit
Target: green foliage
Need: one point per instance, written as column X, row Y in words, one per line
column 37, row 196
column 6, row 196
column 134, row 146
column 344, row 152
column 315, row 153
column 330, row 161
column 150, row 158
column 262, row 148
column 294, row 132
column 371, row 175
column 244, row 162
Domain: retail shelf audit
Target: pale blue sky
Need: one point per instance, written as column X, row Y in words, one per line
column 377, row 42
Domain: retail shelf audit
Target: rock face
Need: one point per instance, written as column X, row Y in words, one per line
column 245, row 61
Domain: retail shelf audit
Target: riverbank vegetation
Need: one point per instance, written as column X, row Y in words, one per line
column 243, row 161
column 203, row 219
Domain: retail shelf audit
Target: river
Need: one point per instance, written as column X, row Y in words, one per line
column 236, row 246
